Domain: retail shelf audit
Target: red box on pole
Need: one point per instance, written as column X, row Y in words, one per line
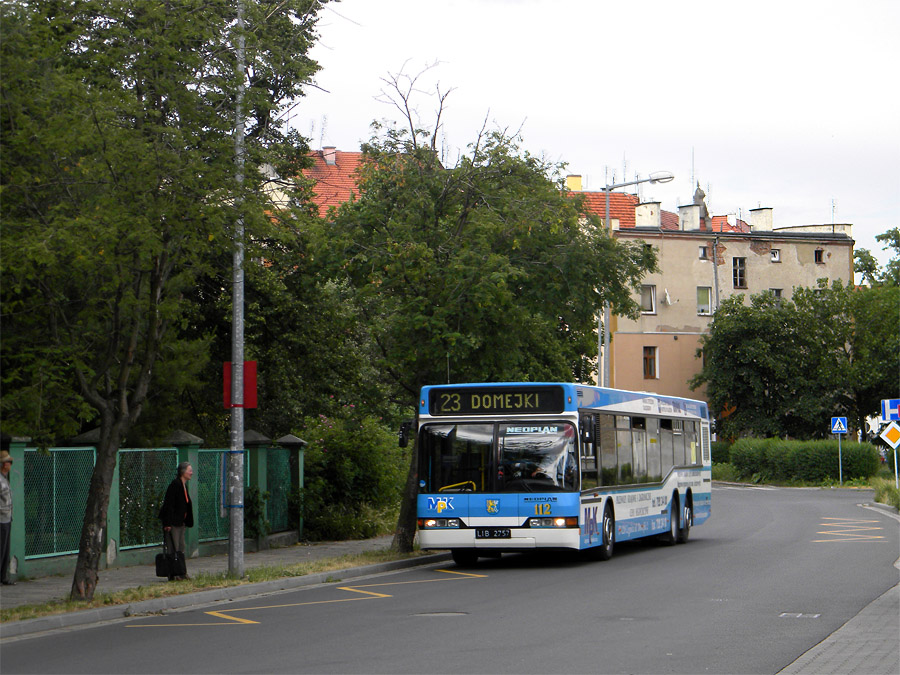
column 249, row 384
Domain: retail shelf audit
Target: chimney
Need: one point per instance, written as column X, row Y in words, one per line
column 689, row 217
column 761, row 220
column 329, row 152
column 647, row 215
column 573, row 183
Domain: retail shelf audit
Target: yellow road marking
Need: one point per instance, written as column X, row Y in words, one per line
column 367, row 595
column 847, row 529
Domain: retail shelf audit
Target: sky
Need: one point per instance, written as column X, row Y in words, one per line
column 792, row 105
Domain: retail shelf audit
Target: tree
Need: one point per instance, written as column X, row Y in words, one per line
column 486, row 270
column 867, row 266
column 784, row 368
column 118, row 179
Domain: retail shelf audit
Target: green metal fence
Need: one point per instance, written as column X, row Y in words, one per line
column 211, row 516
column 55, row 483
column 278, row 481
column 56, row 488
column 144, row 476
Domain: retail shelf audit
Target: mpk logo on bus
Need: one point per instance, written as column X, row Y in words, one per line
column 440, row 504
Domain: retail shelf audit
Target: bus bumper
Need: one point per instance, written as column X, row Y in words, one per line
column 520, row 539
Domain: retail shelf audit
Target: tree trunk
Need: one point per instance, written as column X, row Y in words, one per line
column 405, row 534
column 90, row 548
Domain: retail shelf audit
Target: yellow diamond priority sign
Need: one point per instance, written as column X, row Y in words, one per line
column 891, row 435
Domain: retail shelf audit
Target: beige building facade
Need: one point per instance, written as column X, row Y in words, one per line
column 702, row 261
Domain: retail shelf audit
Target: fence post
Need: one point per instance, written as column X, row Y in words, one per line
column 188, row 447
column 257, row 446
column 17, row 485
column 114, row 516
column 295, row 445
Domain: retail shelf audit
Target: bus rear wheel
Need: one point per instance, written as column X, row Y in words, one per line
column 464, row 557
column 672, row 536
column 687, row 517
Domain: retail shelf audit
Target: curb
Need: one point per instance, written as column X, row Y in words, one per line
column 90, row 616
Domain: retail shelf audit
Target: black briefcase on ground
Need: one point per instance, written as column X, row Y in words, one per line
column 178, row 564
column 164, row 565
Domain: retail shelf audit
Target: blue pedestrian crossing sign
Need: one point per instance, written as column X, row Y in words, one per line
column 839, row 425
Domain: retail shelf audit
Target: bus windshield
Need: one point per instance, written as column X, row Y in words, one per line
column 505, row 457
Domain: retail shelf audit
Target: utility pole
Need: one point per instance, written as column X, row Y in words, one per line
column 236, row 451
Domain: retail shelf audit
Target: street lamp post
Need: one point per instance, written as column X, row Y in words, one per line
column 656, row 177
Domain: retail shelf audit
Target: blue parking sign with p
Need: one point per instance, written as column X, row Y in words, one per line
column 839, row 425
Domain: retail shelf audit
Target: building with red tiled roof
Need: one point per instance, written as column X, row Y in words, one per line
column 703, row 259
column 335, row 174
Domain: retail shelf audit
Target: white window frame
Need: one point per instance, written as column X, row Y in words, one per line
column 652, row 297
column 708, row 311
column 704, row 253
column 776, row 255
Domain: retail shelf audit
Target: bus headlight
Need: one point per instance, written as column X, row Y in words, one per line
column 429, row 523
column 569, row 521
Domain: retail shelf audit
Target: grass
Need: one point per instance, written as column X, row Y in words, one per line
column 202, row 582
column 883, row 483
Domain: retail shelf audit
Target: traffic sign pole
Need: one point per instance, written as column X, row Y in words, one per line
column 839, row 427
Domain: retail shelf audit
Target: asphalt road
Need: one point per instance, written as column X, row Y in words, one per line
column 771, row 574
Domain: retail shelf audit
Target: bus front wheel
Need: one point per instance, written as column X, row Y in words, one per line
column 464, row 557
column 609, row 535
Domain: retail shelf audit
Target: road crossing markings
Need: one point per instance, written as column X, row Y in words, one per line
column 849, row 529
column 231, row 620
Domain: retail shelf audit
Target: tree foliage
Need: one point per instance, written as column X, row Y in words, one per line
column 484, row 270
column 784, row 368
column 118, row 180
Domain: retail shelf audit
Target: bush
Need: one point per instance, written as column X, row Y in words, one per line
column 886, row 492
column 725, row 471
column 721, row 452
column 353, row 476
column 773, row 459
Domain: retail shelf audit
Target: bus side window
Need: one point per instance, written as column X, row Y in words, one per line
column 590, row 477
column 654, row 470
column 608, row 453
column 678, row 441
column 667, row 446
column 623, row 450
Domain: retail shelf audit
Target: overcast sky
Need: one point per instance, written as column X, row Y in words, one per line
column 791, row 104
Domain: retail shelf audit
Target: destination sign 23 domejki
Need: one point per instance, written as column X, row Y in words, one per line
column 496, row 400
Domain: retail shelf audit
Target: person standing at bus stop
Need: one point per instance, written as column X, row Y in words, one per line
column 6, row 506
column 177, row 512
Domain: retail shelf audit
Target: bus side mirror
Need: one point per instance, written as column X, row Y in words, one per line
column 403, row 435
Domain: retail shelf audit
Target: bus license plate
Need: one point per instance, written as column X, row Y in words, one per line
column 492, row 533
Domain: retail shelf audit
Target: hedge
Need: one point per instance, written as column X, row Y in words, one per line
column 808, row 461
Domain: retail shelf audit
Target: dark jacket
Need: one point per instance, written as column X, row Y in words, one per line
column 176, row 509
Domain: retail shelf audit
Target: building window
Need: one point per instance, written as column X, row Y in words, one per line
column 651, row 371
column 776, row 255
column 648, row 299
column 704, row 253
column 778, row 296
column 704, row 300
column 820, row 256
column 739, row 272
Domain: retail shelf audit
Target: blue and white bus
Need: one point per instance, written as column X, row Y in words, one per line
column 523, row 466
